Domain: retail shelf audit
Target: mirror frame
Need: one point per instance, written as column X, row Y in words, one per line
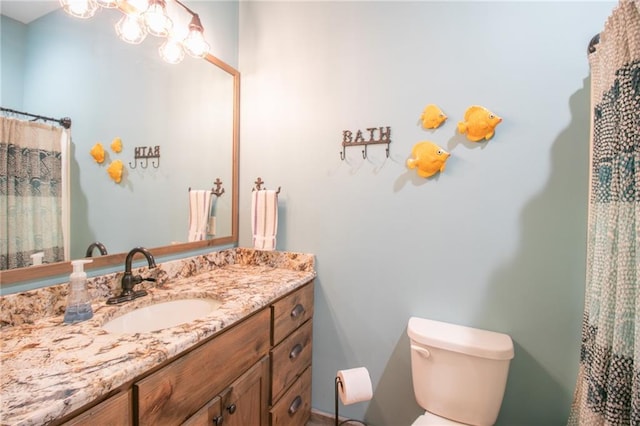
column 30, row 273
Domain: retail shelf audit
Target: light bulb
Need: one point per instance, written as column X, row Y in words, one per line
column 130, row 29
column 171, row 51
column 79, row 8
column 158, row 22
column 108, row 4
column 194, row 43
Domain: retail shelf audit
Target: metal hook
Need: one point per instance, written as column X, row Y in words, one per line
column 219, row 190
column 259, row 182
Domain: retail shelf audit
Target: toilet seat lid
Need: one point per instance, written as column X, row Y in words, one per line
column 430, row 419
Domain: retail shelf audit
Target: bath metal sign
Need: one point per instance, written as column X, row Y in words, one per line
column 377, row 135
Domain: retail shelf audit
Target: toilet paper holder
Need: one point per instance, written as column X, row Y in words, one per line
column 338, row 382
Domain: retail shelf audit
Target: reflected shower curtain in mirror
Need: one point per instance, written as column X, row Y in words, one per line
column 33, row 196
column 608, row 386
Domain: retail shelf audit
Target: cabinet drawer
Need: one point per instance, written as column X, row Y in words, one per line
column 172, row 394
column 115, row 411
column 294, row 408
column 290, row 358
column 290, row 312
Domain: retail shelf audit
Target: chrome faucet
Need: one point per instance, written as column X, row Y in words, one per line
column 101, row 248
column 129, row 280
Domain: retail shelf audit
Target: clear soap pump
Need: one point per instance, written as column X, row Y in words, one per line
column 78, row 303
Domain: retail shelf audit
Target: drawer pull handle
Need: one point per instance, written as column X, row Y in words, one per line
column 217, row 420
column 295, row 351
column 297, row 311
column 232, row 408
column 295, row 405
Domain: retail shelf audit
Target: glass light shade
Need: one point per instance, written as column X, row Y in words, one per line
column 194, row 43
column 171, row 51
column 109, row 4
column 139, row 5
column 130, row 29
column 158, row 22
column 79, row 8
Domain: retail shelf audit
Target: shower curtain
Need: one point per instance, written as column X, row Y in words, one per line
column 608, row 386
column 33, row 192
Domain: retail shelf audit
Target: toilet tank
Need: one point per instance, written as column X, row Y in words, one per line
column 459, row 372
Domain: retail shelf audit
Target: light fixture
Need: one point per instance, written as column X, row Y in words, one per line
column 171, row 51
column 194, row 43
column 131, row 29
column 79, row 8
column 155, row 17
column 142, row 17
column 107, row 4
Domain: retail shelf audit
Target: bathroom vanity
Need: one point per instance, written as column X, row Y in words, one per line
column 249, row 363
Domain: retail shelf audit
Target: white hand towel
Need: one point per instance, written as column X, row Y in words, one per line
column 264, row 219
column 203, row 214
column 199, row 208
column 193, row 215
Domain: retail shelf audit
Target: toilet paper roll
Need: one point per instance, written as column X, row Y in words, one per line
column 355, row 385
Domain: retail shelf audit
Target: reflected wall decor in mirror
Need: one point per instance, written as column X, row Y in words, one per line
column 188, row 113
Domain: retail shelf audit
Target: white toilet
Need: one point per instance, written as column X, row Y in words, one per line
column 459, row 373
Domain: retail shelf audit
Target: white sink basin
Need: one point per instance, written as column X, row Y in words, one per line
column 162, row 315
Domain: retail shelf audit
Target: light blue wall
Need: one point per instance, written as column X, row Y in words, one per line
column 497, row 241
column 12, row 48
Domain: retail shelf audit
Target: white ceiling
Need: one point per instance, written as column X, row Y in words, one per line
column 26, row 11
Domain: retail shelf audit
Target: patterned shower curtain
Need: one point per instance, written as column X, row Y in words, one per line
column 31, row 192
column 608, row 386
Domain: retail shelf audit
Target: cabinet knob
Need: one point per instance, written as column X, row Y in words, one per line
column 232, row 408
column 297, row 311
column 217, row 420
column 295, row 351
column 295, row 405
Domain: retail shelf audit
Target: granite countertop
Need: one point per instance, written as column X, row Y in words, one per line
column 50, row 369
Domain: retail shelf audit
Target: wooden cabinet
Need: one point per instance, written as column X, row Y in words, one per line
column 114, row 411
column 291, row 351
column 243, row 403
column 174, row 393
column 255, row 373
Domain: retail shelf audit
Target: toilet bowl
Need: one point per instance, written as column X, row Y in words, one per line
column 459, row 373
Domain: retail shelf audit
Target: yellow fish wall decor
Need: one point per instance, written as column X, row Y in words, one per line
column 115, row 170
column 428, row 158
column 432, row 117
column 97, row 152
column 116, row 145
column 479, row 123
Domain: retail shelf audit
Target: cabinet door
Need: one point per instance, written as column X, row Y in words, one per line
column 114, row 411
column 246, row 403
column 174, row 393
column 209, row 415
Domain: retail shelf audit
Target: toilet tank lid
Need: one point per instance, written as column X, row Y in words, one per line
column 458, row 338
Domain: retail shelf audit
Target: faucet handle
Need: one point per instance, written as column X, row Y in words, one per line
column 138, row 279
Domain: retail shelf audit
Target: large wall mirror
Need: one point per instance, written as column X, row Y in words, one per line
column 66, row 67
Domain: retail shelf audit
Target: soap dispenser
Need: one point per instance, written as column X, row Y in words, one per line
column 78, row 303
